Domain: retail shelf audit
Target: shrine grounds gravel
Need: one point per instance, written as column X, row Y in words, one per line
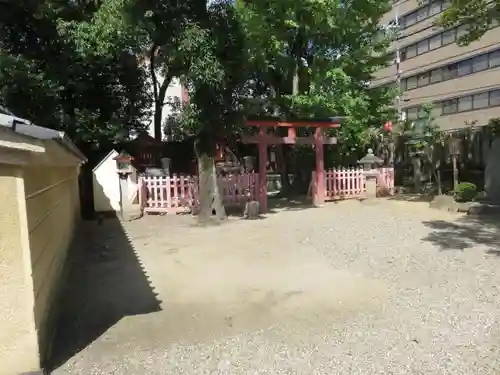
column 385, row 287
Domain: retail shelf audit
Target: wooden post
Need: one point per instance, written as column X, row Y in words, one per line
column 262, row 170
column 319, row 197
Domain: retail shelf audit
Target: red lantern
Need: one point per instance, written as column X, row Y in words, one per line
column 388, row 126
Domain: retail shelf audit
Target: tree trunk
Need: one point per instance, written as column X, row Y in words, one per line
column 159, row 104
column 438, row 182
column 209, row 195
column 159, row 93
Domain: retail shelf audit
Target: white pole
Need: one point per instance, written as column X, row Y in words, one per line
column 398, row 62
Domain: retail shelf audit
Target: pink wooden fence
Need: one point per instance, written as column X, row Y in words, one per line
column 238, row 189
column 178, row 194
column 350, row 183
column 385, row 181
column 164, row 194
column 344, row 184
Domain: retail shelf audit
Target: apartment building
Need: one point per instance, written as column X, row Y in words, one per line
column 462, row 82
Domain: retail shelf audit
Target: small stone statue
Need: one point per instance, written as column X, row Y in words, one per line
column 252, row 209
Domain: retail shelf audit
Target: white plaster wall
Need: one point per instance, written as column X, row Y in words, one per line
column 106, row 185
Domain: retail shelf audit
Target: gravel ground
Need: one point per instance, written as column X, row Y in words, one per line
column 374, row 288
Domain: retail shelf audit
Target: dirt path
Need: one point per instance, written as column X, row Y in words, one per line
column 291, row 275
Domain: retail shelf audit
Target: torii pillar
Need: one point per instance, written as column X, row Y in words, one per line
column 263, row 140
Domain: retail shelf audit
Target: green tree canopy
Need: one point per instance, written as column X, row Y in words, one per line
column 334, row 47
column 46, row 78
column 478, row 15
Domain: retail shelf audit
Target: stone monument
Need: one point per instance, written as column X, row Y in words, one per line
column 370, row 162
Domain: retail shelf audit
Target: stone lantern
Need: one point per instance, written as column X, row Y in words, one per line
column 370, row 163
column 123, row 164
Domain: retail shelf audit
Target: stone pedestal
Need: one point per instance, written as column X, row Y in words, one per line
column 371, row 188
column 251, row 210
column 371, row 183
column 126, row 207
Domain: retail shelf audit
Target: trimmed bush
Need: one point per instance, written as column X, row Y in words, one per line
column 465, row 192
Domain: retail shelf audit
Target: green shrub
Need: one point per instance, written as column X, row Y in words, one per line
column 465, row 192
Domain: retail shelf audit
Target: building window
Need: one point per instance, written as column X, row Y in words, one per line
column 465, row 103
column 464, row 68
column 479, row 63
column 494, row 58
column 448, row 37
column 435, row 7
column 450, row 106
column 450, row 72
column 411, row 83
column 410, row 19
column 495, row 98
column 470, row 102
column 436, row 76
column 423, row 79
column 411, row 51
column 412, row 113
column 469, row 66
column 423, row 47
column 435, row 42
column 423, row 13
column 481, row 100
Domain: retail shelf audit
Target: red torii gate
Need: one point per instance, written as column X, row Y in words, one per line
column 263, row 140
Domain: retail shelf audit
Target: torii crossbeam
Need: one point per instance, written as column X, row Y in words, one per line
column 263, row 140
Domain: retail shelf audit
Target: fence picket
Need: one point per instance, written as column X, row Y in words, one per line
column 175, row 191
column 154, row 187
column 174, row 194
column 347, row 183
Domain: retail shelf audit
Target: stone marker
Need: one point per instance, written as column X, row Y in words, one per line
column 444, row 203
column 252, row 210
column 370, row 162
